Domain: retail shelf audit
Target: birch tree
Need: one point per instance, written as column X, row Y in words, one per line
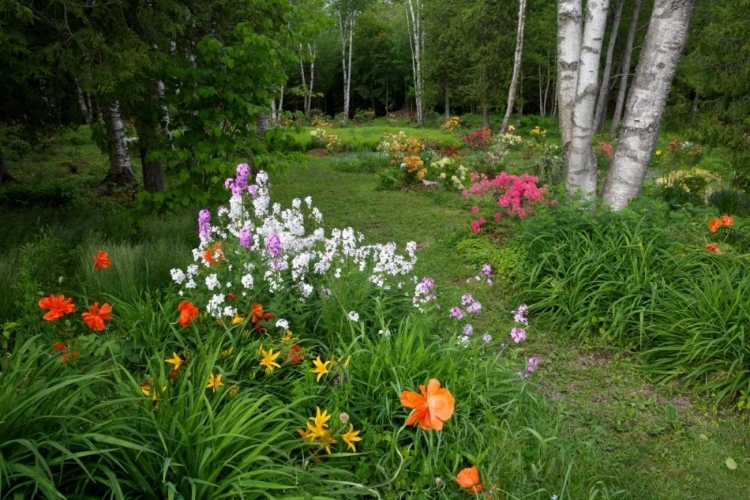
column 569, row 32
column 415, row 25
column 580, row 163
column 346, row 12
column 308, row 93
column 516, row 65
column 625, row 72
column 665, row 41
column 120, row 169
column 601, row 102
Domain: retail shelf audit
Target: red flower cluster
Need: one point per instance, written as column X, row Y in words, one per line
column 480, row 139
column 188, row 312
column 65, row 354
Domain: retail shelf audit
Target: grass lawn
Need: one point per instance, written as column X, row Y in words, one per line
column 655, row 442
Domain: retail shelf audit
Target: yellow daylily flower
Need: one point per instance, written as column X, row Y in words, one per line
column 226, row 353
column 269, row 360
column 287, row 337
column 214, row 382
column 237, row 319
column 351, row 437
column 318, row 427
column 321, row 368
column 175, row 360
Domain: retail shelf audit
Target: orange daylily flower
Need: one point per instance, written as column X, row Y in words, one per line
column 213, row 253
column 188, row 312
column 469, row 480
column 727, row 220
column 713, row 248
column 256, row 312
column 101, row 260
column 58, row 306
column 432, row 408
column 96, row 316
column 295, row 354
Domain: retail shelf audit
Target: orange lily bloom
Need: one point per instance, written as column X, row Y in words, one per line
column 713, row 248
column 714, row 225
column 256, row 312
column 727, row 220
column 469, row 480
column 213, row 253
column 188, row 312
column 58, row 306
column 432, row 408
column 96, row 316
column 101, row 260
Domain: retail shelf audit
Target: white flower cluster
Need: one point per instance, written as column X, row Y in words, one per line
column 260, row 245
column 450, row 169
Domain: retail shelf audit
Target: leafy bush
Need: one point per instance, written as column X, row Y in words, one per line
column 632, row 279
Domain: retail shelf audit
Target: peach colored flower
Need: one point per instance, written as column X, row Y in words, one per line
column 432, row 408
column 469, row 480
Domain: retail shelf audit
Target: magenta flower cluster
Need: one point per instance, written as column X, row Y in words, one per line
column 516, row 194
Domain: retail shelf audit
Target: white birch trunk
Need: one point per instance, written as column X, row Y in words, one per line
column 415, row 26
column 569, row 32
column 665, row 41
column 120, row 169
column 625, row 69
column 273, row 109
column 281, row 102
column 601, row 102
column 165, row 118
column 85, row 109
column 580, row 163
column 516, row 66
column 346, row 31
column 313, row 51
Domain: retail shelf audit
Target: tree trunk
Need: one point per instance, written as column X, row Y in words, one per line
column 569, row 32
column 447, row 101
column 313, row 50
column 120, row 170
column 273, row 109
column 485, row 116
column 153, row 171
column 601, row 103
column 580, row 163
column 261, row 125
column 165, row 118
column 4, row 174
column 516, row 66
column 414, row 23
column 665, row 40
column 625, row 69
column 85, row 109
column 281, row 103
column 346, row 31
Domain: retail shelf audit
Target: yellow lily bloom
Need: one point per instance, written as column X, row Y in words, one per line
column 214, row 382
column 174, row 360
column 269, row 360
column 237, row 319
column 321, row 368
column 351, row 437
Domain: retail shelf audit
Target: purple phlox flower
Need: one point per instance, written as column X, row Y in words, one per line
column 531, row 365
column 474, row 308
column 487, row 338
column 468, row 330
column 487, row 270
column 466, row 299
column 518, row 334
column 457, row 313
column 204, row 224
column 253, row 190
column 246, row 238
column 273, row 245
column 519, row 315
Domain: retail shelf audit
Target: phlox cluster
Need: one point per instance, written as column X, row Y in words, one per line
column 253, row 242
column 424, row 293
column 470, row 306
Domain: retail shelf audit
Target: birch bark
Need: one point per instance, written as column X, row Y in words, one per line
column 580, row 163
column 120, row 169
column 345, row 18
column 569, row 32
column 516, row 66
column 625, row 69
column 414, row 22
column 601, row 102
column 665, row 41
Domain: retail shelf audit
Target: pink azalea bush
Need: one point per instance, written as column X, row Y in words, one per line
column 516, row 195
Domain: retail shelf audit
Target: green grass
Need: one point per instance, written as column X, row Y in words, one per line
column 368, row 136
column 611, row 421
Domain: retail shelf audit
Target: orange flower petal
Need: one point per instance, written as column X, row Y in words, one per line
column 411, row 399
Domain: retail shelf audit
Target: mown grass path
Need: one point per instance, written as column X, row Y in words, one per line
column 657, row 442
